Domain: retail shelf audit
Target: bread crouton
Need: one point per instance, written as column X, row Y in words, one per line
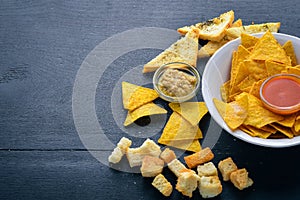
column 163, row 185
column 135, row 155
column 210, row 186
column 119, row 150
column 207, row 169
column 187, row 182
column 168, row 155
column 176, row 167
column 151, row 166
column 226, row 167
column 240, row 179
column 198, row 158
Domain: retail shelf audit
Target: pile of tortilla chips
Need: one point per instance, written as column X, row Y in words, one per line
column 182, row 130
column 255, row 60
column 138, row 101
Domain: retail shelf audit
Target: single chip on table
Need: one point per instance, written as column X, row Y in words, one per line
column 187, row 144
column 144, row 110
column 267, row 48
column 177, row 128
column 135, row 96
column 191, row 111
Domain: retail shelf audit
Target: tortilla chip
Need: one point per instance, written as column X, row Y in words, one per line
column 144, row 110
column 241, row 74
column 225, row 89
column 189, row 145
column 284, row 130
column 246, row 83
column 221, row 107
column 255, row 89
column 258, row 116
column 288, row 120
column 289, row 49
column 177, row 128
column 293, row 70
column 135, row 96
column 256, row 132
column 237, row 57
column 274, row 67
column 267, row 48
column 297, row 125
column 233, row 113
column 191, row 111
column 248, row 41
column 257, row 69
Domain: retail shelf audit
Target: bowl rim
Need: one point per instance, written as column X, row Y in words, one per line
column 188, row 68
column 206, row 93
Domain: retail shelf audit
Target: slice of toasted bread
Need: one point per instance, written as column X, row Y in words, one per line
column 183, row 50
column 212, row 29
column 235, row 32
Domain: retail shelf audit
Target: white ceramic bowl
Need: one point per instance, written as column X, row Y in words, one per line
column 217, row 71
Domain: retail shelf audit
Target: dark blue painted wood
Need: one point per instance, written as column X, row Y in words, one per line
column 42, row 45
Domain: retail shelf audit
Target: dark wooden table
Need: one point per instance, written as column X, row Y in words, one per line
column 44, row 153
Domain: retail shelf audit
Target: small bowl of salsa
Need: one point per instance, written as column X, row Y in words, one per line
column 176, row 81
column 281, row 93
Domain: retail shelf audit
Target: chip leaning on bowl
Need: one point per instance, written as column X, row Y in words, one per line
column 255, row 60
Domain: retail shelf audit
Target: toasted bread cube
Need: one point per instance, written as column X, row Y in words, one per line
column 210, row 186
column 199, row 158
column 226, row 167
column 240, row 179
column 207, row 169
column 124, row 144
column 116, row 155
column 176, row 167
column 151, row 166
column 187, row 182
column 168, row 155
column 119, row 150
column 163, row 185
column 135, row 155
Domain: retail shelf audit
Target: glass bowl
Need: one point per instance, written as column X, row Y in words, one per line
column 281, row 93
column 176, row 82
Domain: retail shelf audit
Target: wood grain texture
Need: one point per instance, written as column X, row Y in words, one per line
column 43, row 44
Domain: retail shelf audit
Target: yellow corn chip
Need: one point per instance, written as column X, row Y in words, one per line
column 246, row 83
column 241, row 74
column 238, row 56
column 225, row 88
column 255, row 89
column 289, row 49
column 135, row 96
column 293, row 70
column 284, row 130
column 267, row 48
column 297, row 125
column 189, row 145
column 258, row 116
column 248, row 41
column 191, row 111
column 256, row 132
column 221, row 107
column 274, row 67
column 257, row 69
column 144, row 110
column 288, row 120
column 177, row 128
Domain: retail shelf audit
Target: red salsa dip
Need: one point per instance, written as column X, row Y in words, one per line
column 281, row 93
